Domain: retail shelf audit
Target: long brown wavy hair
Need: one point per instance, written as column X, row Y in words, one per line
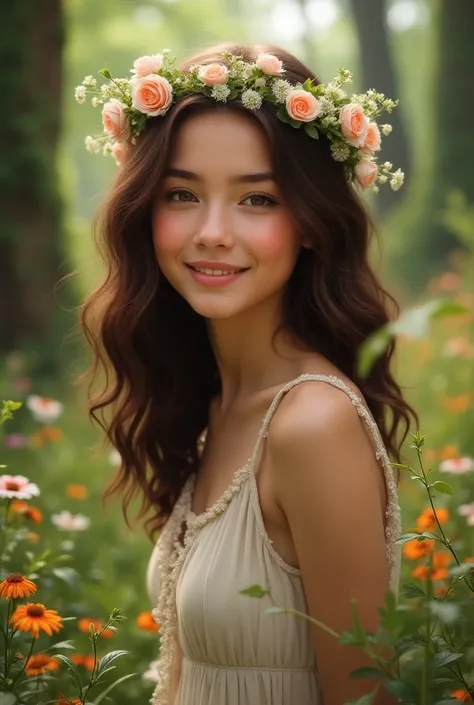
column 152, row 350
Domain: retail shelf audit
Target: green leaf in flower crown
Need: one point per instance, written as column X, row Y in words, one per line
column 283, row 115
column 312, row 131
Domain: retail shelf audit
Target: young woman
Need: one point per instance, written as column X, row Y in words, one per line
column 238, row 292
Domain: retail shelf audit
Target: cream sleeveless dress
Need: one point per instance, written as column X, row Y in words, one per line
column 232, row 652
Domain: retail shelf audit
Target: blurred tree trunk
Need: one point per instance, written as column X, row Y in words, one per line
column 377, row 72
column 429, row 242
column 32, row 37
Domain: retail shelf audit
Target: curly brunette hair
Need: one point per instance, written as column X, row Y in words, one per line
column 152, row 350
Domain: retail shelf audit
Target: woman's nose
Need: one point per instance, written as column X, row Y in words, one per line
column 214, row 226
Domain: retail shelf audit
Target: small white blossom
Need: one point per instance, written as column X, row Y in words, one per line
column 247, row 72
column 152, row 673
column 17, row 487
column 90, row 82
column 467, row 510
column 251, row 99
column 386, row 129
column 115, row 458
column 371, row 106
column 340, row 151
column 260, row 82
column 387, row 165
column 220, row 92
column 107, row 149
column 65, row 521
column 334, row 93
column 43, row 409
column 165, row 51
column 96, row 102
column 80, row 94
column 92, row 145
column 397, row 179
column 327, row 107
column 375, row 189
column 329, row 121
column 382, row 178
column 280, row 89
column 107, row 90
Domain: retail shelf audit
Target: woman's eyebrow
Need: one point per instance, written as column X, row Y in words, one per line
column 239, row 179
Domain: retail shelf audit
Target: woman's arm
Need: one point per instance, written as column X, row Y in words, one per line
column 332, row 491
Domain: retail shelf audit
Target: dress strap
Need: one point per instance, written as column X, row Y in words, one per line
column 393, row 521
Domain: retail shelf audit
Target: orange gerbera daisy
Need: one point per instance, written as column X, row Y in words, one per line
column 75, row 491
column 34, row 617
column 441, row 560
column 427, row 520
column 72, row 701
column 461, row 695
column 146, row 622
column 16, row 585
column 83, row 625
column 418, row 548
column 39, row 663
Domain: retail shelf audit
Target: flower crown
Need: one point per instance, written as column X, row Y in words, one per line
column 347, row 121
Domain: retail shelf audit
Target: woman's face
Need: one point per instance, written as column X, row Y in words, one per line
column 219, row 208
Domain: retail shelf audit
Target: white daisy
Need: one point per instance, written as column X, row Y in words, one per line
column 17, row 487
column 457, row 466
column 70, row 522
column 43, row 409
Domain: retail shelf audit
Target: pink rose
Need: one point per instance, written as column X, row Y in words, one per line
column 115, row 121
column 213, row 74
column 302, row 105
column 152, row 94
column 366, row 172
column 145, row 65
column 373, row 139
column 119, row 152
column 354, row 124
column 269, row 64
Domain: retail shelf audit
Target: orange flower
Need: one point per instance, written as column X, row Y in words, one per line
column 83, row 625
column 442, row 590
column 76, row 491
column 146, row 622
column 449, row 452
column 39, row 663
column 62, row 701
column 88, row 662
column 16, row 585
column 418, row 548
column 34, row 617
column 458, row 404
column 441, row 560
column 33, row 537
column 461, row 695
column 427, row 521
column 78, row 659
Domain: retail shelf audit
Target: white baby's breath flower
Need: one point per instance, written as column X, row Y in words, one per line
column 165, row 51
column 327, row 107
column 387, row 165
column 280, row 89
column 247, row 72
column 252, row 99
column 90, row 82
column 92, row 145
column 386, row 129
column 334, row 93
column 80, row 94
column 17, row 487
column 382, row 178
column 340, row 151
column 397, row 179
column 375, row 189
column 96, row 102
column 107, row 90
column 43, row 409
column 260, row 82
column 220, row 92
column 107, row 149
column 65, row 521
column 371, row 106
column 329, row 121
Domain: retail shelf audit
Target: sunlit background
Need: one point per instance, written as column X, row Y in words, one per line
column 416, row 50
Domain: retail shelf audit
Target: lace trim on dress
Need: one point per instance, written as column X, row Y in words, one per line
column 172, row 553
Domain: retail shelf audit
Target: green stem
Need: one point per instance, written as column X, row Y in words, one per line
column 25, row 663
column 7, row 631
column 427, row 655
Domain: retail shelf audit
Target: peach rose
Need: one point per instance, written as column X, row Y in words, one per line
column 145, row 65
column 152, row 94
column 213, row 74
column 269, row 64
column 115, row 121
column 366, row 172
column 302, row 105
column 354, row 124
column 373, row 139
column 119, row 152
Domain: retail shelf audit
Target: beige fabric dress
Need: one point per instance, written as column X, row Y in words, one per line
column 232, row 652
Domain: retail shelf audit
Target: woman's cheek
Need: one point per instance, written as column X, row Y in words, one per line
column 167, row 233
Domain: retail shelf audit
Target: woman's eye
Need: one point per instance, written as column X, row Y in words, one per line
column 187, row 196
column 261, row 200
